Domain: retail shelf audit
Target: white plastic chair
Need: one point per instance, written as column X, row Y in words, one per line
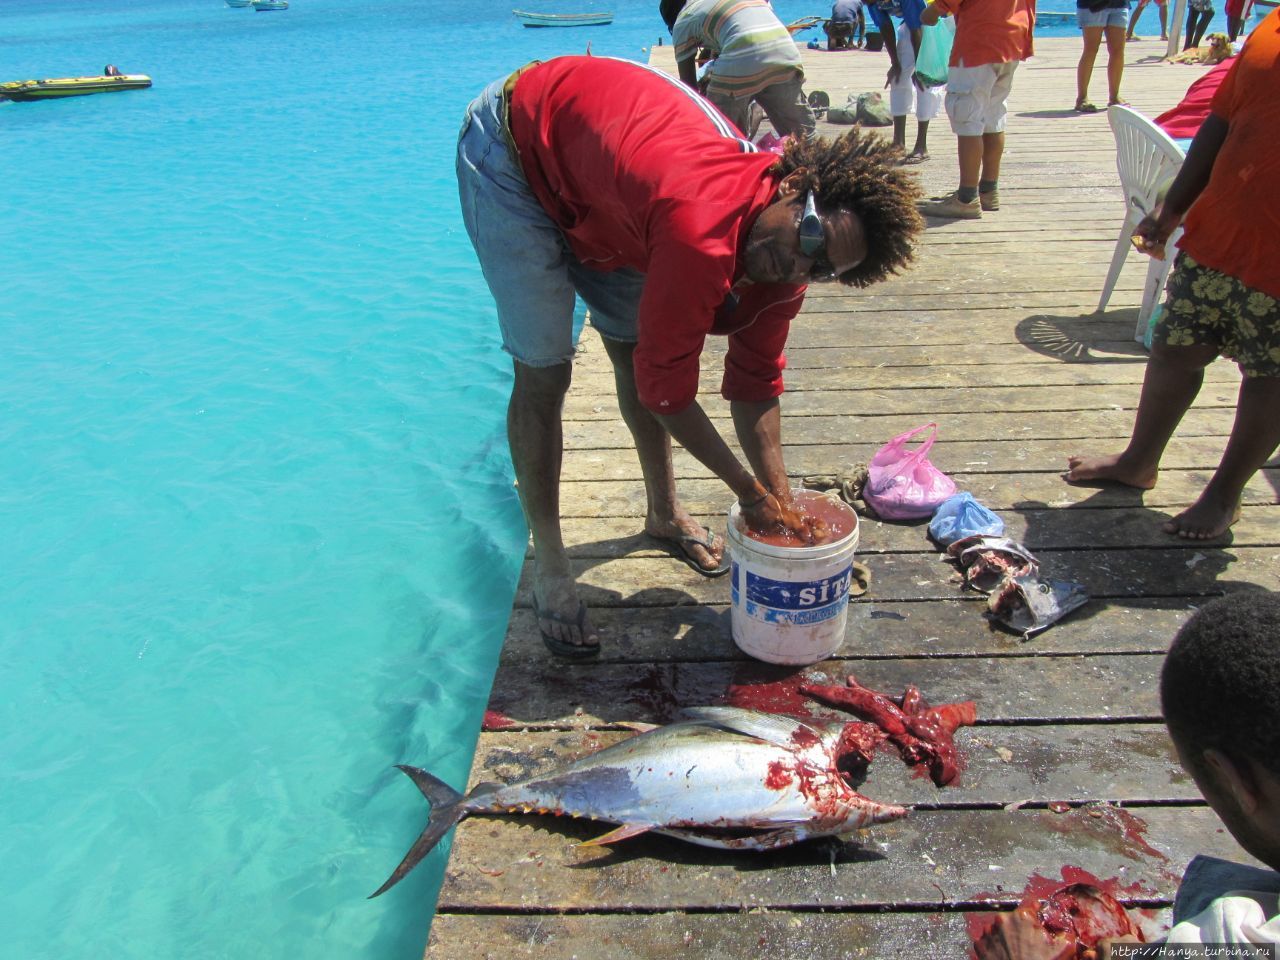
column 1148, row 160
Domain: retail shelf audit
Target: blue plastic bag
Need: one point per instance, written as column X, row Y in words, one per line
column 961, row 516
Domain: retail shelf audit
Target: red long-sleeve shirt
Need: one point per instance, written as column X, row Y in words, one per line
column 639, row 171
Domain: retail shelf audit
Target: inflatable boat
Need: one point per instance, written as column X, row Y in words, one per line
column 71, row 86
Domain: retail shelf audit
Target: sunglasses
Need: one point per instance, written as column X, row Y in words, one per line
column 813, row 241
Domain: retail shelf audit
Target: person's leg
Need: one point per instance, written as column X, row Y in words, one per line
column 1163, row 13
column 968, row 92
column 1248, row 321
column 1115, row 62
column 992, row 152
column 536, row 436
column 1084, row 69
column 993, row 121
column 1133, row 18
column 1191, row 27
column 902, row 93
column 665, row 517
column 737, row 110
column 1254, row 438
column 1233, row 27
column 1185, row 341
column 524, row 259
column 1172, row 381
column 928, row 103
column 785, row 105
column 1202, row 24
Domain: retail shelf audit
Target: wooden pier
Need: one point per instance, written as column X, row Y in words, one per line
column 993, row 334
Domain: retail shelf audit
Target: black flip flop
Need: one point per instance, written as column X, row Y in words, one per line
column 675, row 546
column 562, row 648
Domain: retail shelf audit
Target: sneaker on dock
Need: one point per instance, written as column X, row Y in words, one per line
column 951, row 207
column 989, row 200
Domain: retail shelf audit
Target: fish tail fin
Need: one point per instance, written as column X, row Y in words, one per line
column 446, row 810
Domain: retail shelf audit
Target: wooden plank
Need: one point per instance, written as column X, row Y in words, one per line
column 836, row 379
column 1006, row 689
column 610, row 538
column 942, row 400
column 1106, row 574
column 1000, row 492
column 727, row 936
column 831, row 429
column 933, row 857
column 1123, row 763
column 874, row 628
column 957, row 458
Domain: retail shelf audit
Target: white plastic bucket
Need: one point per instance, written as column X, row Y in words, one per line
column 790, row 604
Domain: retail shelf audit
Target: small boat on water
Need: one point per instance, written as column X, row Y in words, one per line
column 71, row 86
column 261, row 5
column 804, row 23
column 563, row 19
column 239, row 3
column 1055, row 18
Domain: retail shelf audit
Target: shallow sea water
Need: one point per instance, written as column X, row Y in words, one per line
column 259, row 534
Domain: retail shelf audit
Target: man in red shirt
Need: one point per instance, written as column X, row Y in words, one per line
column 614, row 182
column 1223, row 296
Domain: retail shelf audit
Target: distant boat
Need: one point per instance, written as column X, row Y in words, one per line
column 1050, row 16
column 239, row 3
column 261, row 5
column 71, row 86
column 563, row 19
column 804, row 23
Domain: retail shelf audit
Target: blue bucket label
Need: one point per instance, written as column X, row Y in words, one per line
column 788, row 601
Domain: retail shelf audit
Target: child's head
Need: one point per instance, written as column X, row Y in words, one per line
column 1220, row 692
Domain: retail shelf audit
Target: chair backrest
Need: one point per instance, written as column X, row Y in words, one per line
column 1146, row 156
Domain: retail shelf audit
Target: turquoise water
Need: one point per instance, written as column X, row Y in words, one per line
column 259, row 534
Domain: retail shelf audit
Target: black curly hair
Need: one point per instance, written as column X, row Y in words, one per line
column 1220, row 686
column 858, row 171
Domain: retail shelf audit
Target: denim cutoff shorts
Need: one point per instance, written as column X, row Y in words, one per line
column 1106, row 17
column 527, row 263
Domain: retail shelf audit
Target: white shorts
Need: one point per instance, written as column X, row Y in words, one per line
column 977, row 98
column 927, row 101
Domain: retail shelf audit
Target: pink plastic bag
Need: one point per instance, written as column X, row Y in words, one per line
column 902, row 484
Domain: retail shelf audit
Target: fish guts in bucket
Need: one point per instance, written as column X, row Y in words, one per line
column 790, row 604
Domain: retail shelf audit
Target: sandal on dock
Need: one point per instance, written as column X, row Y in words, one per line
column 1084, row 106
column 563, row 648
column 678, row 547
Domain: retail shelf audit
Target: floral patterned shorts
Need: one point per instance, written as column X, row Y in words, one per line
column 1205, row 307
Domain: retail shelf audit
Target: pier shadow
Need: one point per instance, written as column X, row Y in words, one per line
column 1098, row 337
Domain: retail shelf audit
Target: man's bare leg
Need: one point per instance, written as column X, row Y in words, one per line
column 1174, row 376
column 537, row 449
column 1254, row 438
column 665, row 516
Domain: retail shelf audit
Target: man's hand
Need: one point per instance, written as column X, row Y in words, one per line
column 920, row 85
column 774, row 515
column 1020, row 936
column 1152, row 234
column 895, row 71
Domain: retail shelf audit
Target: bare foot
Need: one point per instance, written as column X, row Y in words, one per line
column 1109, row 469
column 683, row 525
column 561, row 615
column 1203, row 521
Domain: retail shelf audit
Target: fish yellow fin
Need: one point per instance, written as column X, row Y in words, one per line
column 621, row 833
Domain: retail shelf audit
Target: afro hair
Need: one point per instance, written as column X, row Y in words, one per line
column 1220, row 686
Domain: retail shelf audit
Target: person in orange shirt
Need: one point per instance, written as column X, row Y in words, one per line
column 992, row 38
column 1223, row 297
